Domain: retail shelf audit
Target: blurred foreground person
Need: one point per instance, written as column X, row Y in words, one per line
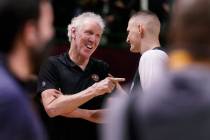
column 25, row 28
column 143, row 37
column 179, row 107
column 73, row 85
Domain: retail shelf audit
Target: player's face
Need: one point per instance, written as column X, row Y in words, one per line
column 87, row 38
column 133, row 38
column 43, row 33
column 44, row 28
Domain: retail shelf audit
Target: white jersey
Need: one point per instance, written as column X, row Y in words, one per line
column 152, row 66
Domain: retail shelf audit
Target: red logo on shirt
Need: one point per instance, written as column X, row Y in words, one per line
column 95, row 77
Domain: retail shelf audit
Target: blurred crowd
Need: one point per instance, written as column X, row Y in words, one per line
column 115, row 13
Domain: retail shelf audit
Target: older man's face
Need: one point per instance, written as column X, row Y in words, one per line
column 87, row 38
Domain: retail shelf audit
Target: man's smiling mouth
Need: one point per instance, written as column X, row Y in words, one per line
column 89, row 46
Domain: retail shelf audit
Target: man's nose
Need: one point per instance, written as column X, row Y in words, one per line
column 93, row 38
column 127, row 40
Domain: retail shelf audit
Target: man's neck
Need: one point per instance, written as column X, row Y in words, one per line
column 19, row 63
column 78, row 59
column 150, row 44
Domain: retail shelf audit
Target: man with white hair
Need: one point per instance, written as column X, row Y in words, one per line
column 71, row 85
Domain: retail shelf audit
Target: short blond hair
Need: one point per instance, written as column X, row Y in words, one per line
column 149, row 19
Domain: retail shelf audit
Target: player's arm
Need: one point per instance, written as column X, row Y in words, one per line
column 62, row 104
column 95, row 116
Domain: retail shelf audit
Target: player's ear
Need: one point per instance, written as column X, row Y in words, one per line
column 30, row 33
column 141, row 30
column 73, row 32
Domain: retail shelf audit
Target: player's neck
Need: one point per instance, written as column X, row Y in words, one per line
column 151, row 44
column 19, row 63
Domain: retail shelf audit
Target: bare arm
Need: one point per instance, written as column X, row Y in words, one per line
column 95, row 116
column 55, row 103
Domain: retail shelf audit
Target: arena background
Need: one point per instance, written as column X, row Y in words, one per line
column 113, row 48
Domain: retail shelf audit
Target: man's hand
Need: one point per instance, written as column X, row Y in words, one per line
column 106, row 85
column 118, row 86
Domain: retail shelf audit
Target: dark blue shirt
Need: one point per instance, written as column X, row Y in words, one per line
column 17, row 119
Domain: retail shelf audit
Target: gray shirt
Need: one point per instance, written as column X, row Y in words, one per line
column 178, row 108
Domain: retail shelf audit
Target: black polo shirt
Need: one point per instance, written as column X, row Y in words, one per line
column 60, row 72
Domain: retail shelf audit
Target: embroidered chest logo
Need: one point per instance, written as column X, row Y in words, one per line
column 95, row 77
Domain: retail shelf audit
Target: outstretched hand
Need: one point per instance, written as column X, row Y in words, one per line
column 118, row 86
column 107, row 85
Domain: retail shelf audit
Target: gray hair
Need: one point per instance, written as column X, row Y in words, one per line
column 76, row 22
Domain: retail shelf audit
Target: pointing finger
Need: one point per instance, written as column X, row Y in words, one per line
column 117, row 79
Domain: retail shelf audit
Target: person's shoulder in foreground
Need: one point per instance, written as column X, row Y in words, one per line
column 178, row 104
column 17, row 119
column 165, row 111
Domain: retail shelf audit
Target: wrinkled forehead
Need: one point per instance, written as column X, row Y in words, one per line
column 90, row 23
column 46, row 11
